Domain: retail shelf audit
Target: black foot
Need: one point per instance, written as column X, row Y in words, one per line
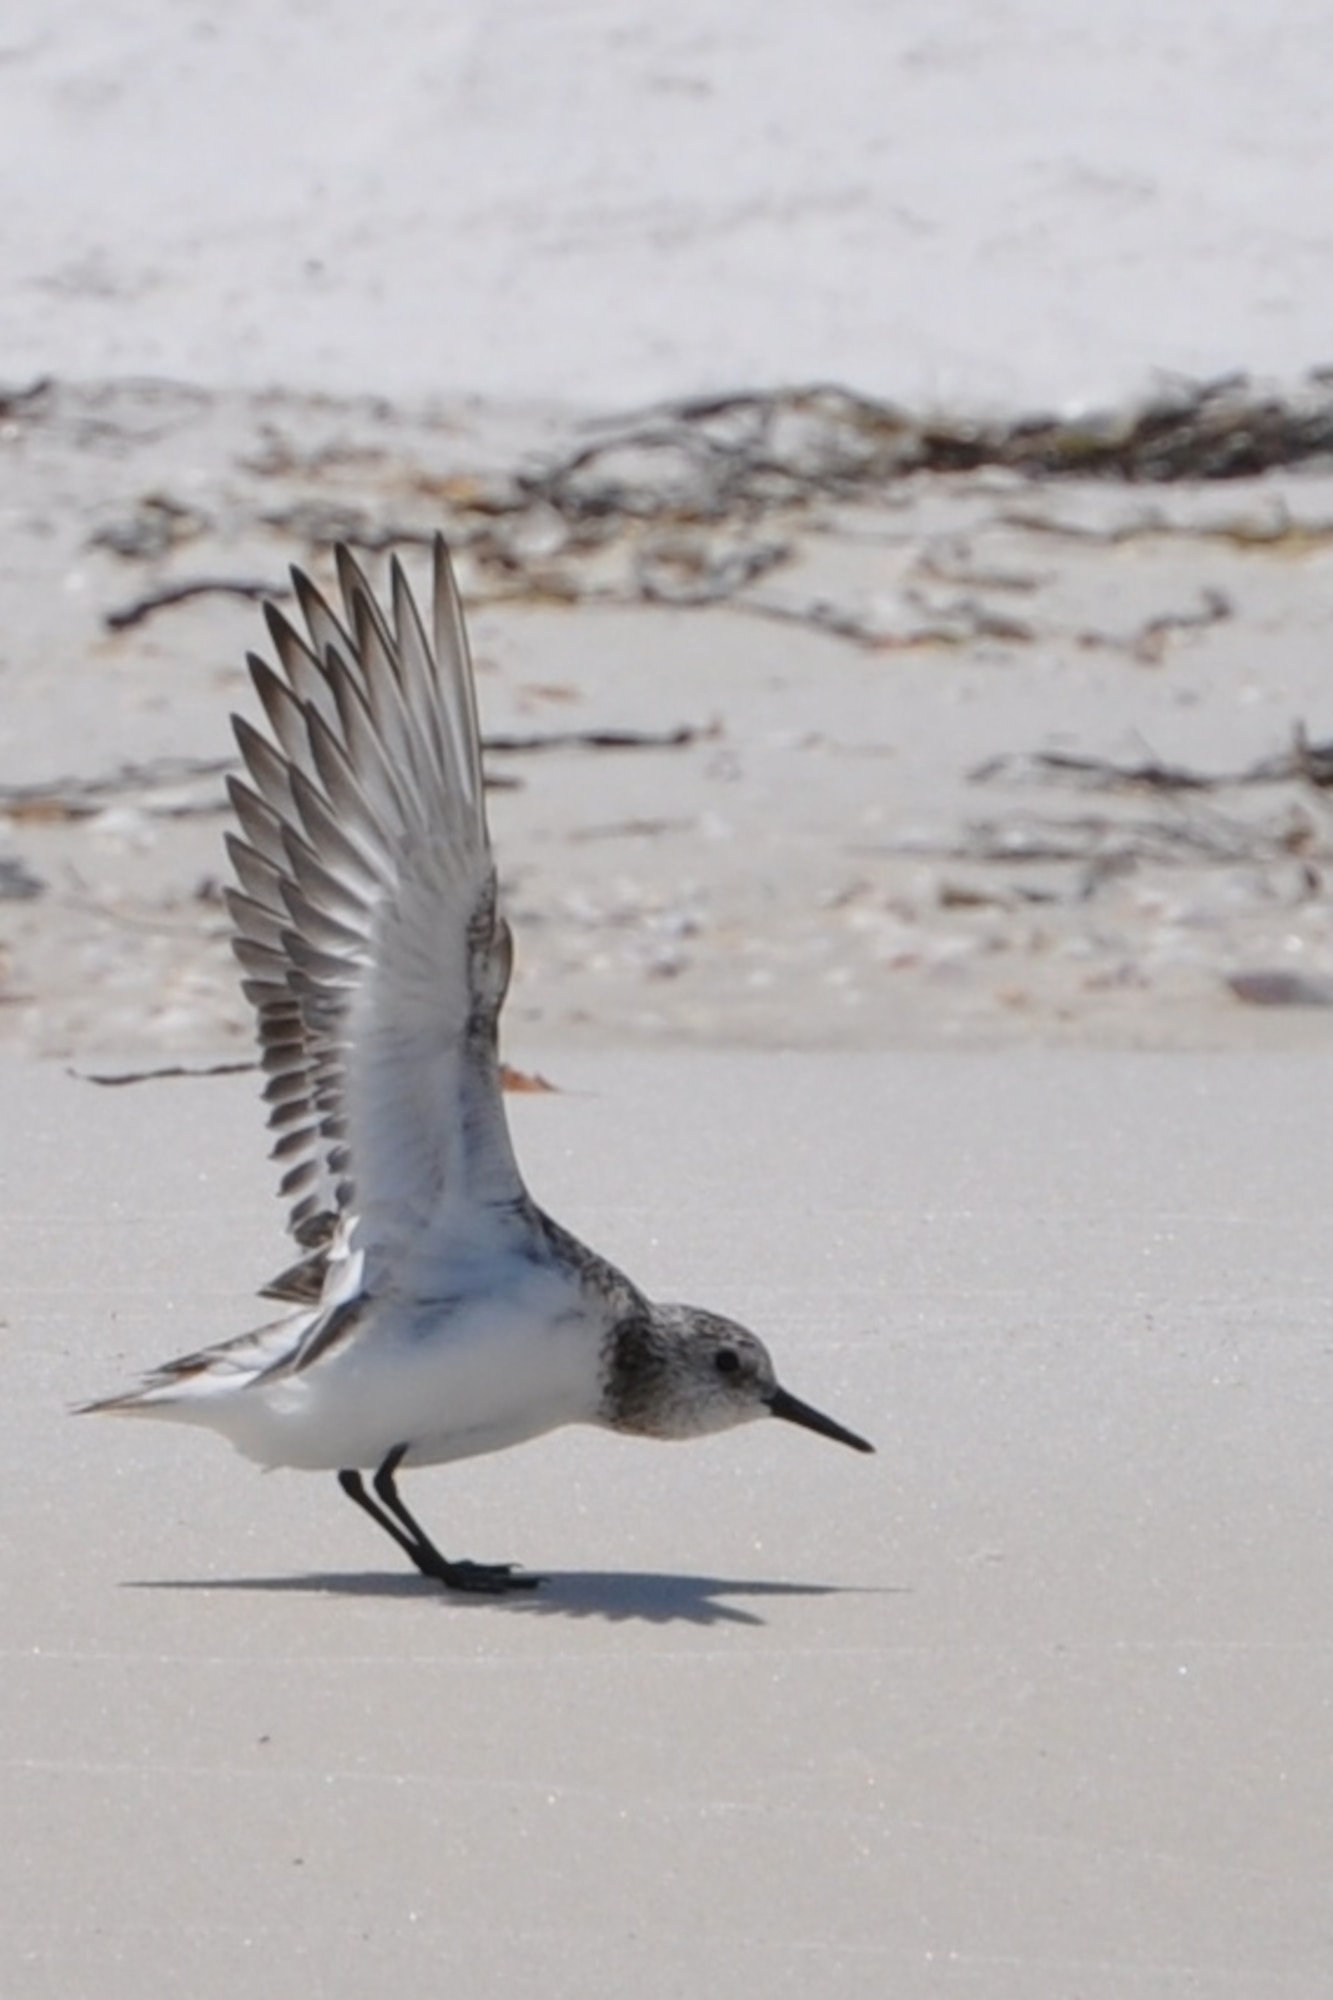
column 488, row 1579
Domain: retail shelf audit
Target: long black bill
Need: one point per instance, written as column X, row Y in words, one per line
column 793, row 1411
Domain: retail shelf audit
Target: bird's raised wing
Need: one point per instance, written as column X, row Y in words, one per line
column 368, row 927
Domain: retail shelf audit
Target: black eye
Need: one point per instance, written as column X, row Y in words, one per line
column 726, row 1361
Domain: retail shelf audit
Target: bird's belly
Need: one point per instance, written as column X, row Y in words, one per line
column 477, row 1376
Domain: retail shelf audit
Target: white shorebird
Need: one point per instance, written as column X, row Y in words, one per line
column 438, row 1312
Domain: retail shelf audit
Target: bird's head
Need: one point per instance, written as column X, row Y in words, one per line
column 679, row 1372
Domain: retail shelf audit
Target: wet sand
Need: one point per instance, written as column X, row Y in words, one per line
column 1030, row 1704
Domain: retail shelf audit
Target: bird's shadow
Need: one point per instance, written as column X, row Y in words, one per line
column 619, row 1596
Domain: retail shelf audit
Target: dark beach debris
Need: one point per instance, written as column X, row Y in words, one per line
column 322, row 524
column 18, row 884
column 1302, row 761
column 696, row 502
column 689, row 486
column 904, row 622
column 180, row 593
column 1281, row 988
column 1148, row 773
column 14, row 400
column 82, row 798
column 113, row 1079
column 639, row 828
column 706, row 457
column 691, row 571
column 1103, row 839
column 1149, row 642
column 517, row 1080
column 507, row 743
column 151, row 528
column 1311, row 763
column 173, row 787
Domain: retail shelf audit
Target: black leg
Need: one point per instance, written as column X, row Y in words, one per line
column 353, row 1488
column 392, row 1514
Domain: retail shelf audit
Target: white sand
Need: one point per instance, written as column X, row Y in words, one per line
column 1027, row 204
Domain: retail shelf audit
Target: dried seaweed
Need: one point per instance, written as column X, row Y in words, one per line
column 1103, row 838
column 679, row 738
column 81, row 798
column 68, row 798
column 180, row 593
column 113, row 1079
column 710, row 458
column 1303, row 761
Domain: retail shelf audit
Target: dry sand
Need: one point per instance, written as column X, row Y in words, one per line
column 609, row 201
column 851, row 839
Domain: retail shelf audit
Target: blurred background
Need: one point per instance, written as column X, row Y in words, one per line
column 602, row 202
column 886, row 448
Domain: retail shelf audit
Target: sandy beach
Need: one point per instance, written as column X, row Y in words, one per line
column 599, row 204
column 957, row 759
column 889, row 460
column 1033, row 1702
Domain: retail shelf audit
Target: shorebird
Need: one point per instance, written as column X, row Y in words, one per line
column 435, row 1311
